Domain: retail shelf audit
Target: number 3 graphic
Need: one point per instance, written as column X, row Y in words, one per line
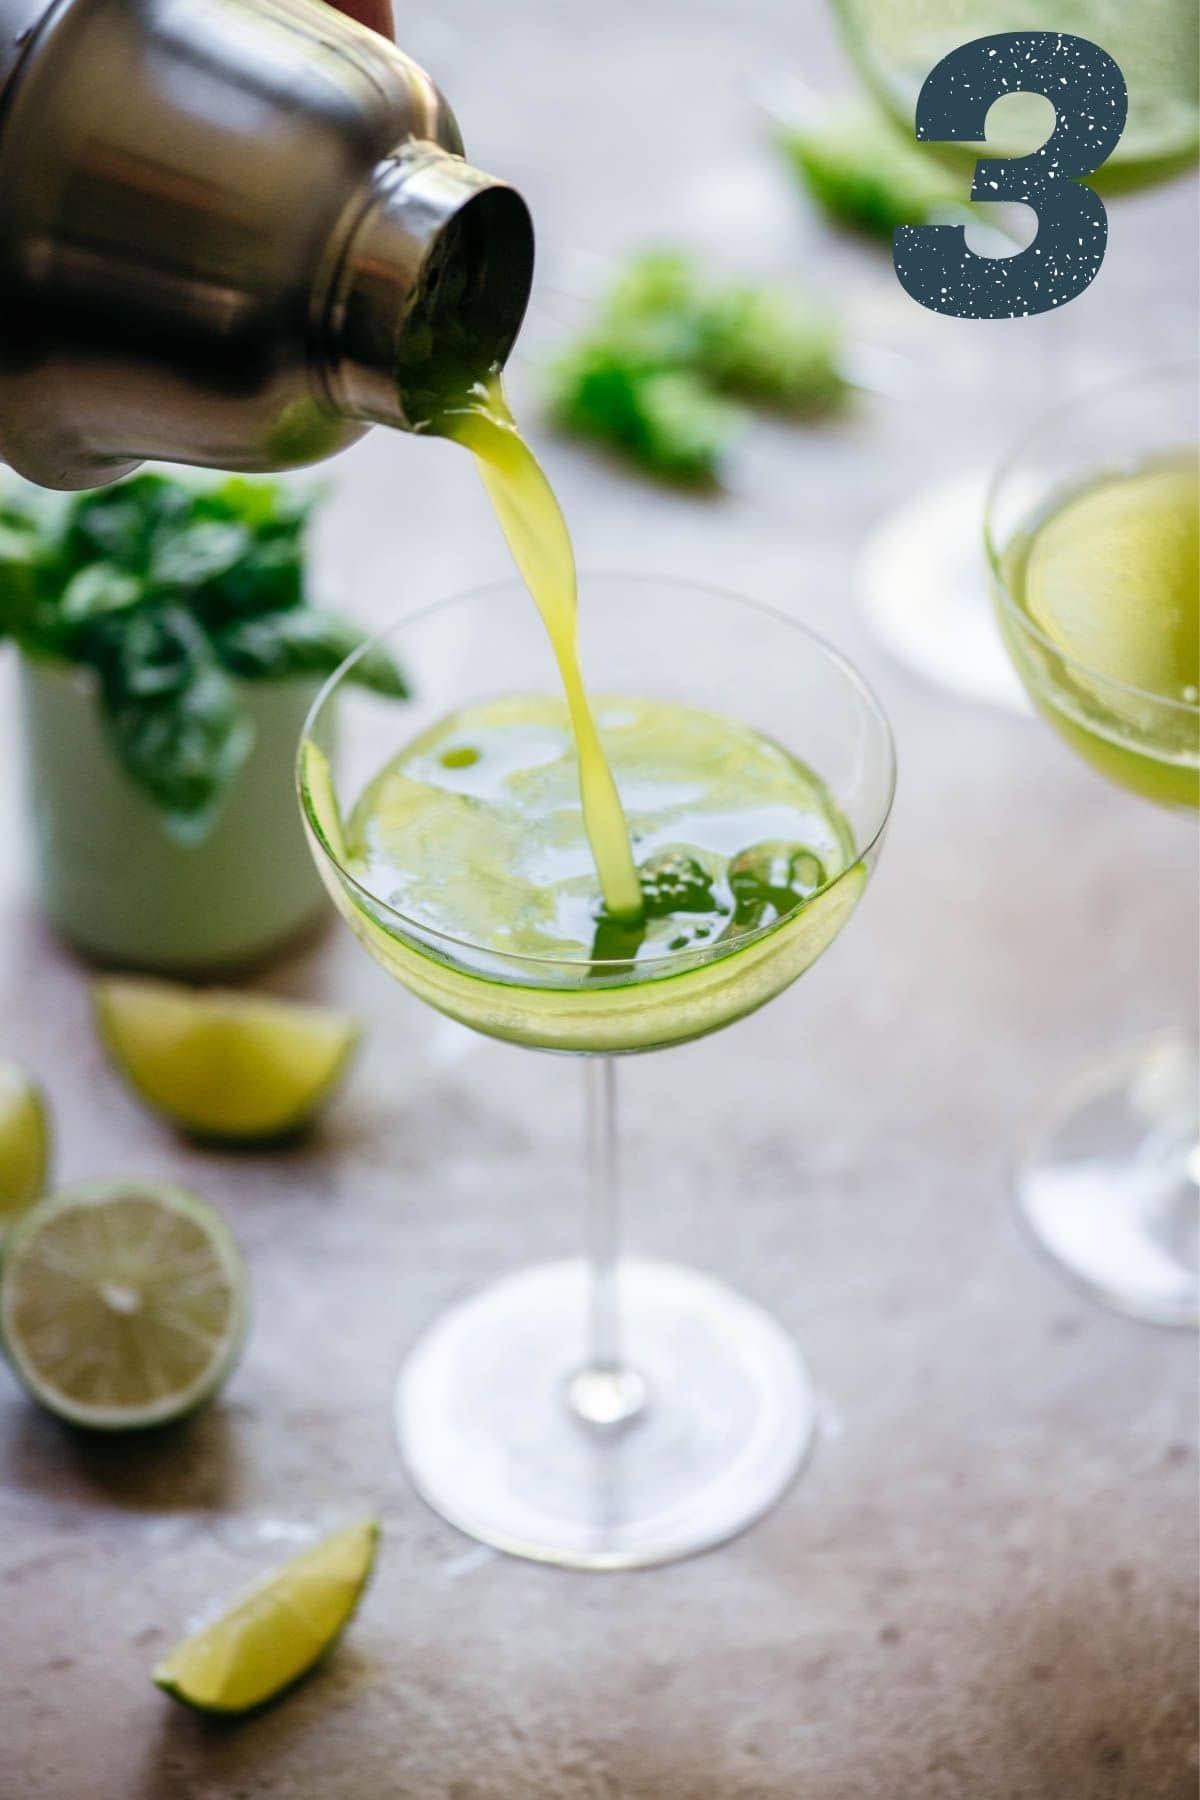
column 1088, row 92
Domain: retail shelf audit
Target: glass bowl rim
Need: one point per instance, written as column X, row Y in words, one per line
column 1011, row 462
column 656, row 967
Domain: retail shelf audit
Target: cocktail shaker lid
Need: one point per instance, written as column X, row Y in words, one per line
column 19, row 19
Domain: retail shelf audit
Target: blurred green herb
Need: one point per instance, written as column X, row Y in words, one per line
column 671, row 351
column 303, row 641
column 863, row 172
column 168, row 589
column 667, row 420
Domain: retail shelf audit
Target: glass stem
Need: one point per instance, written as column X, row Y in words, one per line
column 605, row 1391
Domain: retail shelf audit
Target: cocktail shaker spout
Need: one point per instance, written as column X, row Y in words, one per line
column 448, row 253
column 232, row 233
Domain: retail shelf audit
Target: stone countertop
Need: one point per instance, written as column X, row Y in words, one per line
column 983, row 1587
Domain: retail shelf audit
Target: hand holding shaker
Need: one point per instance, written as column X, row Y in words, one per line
column 221, row 224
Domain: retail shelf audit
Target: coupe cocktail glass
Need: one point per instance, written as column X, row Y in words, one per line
column 895, row 44
column 1107, row 653
column 605, row 1412
column 922, row 589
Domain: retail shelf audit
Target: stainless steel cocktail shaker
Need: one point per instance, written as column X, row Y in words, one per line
column 224, row 224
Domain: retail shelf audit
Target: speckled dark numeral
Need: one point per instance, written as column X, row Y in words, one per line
column 1089, row 97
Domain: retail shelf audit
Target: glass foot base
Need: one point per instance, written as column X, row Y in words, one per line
column 1110, row 1188
column 925, row 592
column 491, row 1442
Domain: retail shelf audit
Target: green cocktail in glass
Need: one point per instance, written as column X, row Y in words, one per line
column 1093, row 540
column 602, row 1414
column 469, row 878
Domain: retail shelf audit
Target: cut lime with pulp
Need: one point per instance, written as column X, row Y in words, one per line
column 123, row 1303
column 24, row 1143
column 277, row 1631
column 243, row 1067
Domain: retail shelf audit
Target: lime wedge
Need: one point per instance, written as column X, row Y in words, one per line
column 277, row 1631
column 123, row 1303
column 24, row 1143
column 245, row 1067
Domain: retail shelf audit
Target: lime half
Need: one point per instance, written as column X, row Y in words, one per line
column 277, row 1631
column 242, row 1067
column 123, row 1303
column 24, row 1143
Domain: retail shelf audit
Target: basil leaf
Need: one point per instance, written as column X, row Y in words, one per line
column 97, row 589
column 304, row 641
column 147, row 655
column 672, row 346
column 172, row 717
column 166, row 587
column 120, row 523
column 267, row 508
column 766, row 344
column 657, row 306
column 268, row 579
column 669, row 420
column 763, row 341
column 202, row 552
column 865, row 173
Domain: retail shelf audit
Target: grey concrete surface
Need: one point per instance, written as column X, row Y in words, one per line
column 983, row 1588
